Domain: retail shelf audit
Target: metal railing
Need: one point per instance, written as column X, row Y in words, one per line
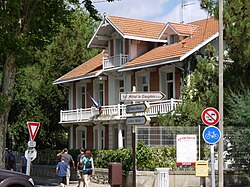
column 115, row 61
column 115, row 112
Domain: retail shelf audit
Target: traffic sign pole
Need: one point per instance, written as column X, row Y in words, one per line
column 212, row 165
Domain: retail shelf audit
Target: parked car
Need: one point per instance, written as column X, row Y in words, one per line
column 15, row 179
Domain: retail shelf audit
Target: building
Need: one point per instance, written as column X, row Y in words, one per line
column 148, row 56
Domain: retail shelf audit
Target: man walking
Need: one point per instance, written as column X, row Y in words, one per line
column 67, row 159
column 80, row 167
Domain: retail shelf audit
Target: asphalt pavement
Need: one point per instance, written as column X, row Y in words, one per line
column 43, row 182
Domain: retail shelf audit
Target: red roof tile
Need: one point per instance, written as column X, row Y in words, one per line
column 138, row 28
column 88, row 68
column 205, row 29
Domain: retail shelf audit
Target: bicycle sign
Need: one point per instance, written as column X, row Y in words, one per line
column 211, row 134
column 210, row 116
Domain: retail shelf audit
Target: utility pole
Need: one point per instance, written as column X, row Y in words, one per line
column 221, row 147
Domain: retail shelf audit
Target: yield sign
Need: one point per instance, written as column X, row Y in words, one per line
column 33, row 128
column 210, row 116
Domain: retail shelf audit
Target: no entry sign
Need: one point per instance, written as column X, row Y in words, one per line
column 210, row 116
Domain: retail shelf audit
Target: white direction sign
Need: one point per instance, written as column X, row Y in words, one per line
column 135, row 108
column 138, row 120
column 142, row 96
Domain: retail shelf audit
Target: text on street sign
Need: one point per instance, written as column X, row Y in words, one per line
column 142, row 96
column 138, row 120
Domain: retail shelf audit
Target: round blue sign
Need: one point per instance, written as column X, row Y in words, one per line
column 211, row 135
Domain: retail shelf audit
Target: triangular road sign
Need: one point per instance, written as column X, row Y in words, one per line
column 33, row 128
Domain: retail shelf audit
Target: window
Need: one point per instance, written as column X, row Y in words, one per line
column 101, row 93
column 102, row 139
column 83, row 139
column 121, row 88
column 142, row 83
column 170, row 85
column 81, row 96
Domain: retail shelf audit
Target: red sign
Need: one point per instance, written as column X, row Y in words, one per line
column 33, row 128
column 210, row 116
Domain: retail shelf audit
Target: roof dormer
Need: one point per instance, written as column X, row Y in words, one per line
column 175, row 32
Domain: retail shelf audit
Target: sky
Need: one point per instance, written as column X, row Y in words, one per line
column 153, row 10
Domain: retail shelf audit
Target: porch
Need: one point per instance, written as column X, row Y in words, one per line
column 115, row 112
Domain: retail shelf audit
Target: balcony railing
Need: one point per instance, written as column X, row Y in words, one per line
column 114, row 61
column 115, row 112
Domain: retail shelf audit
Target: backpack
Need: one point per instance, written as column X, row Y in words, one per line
column 88, row 164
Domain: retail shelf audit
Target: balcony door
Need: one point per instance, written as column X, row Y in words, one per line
column 81, row 134
column 99, row 92
column 167, row 78
column 142, row 82
column 99, row 137
column 81, row 99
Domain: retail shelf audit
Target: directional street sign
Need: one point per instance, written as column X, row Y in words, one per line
column 142, row 96
column 211, row 134
column 210, row 116
column 33, row 128
column 138, row 120
column 135, row 108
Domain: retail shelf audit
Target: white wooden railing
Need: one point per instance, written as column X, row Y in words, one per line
column 115, row 112
column 114, row 61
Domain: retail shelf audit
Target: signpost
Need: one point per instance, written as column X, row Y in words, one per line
column 142, row 96
column 136, row 108
column 31, row 153
column 211, row 134
column 138, row 120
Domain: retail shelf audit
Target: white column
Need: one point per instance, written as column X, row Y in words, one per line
column 120, row 140
column 71, row 136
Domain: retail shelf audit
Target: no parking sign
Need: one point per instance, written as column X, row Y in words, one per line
column 210, row 116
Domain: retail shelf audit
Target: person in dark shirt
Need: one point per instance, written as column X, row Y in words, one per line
column 61, row 171
column 80, row 167
column 67, row 159
column 23, row 164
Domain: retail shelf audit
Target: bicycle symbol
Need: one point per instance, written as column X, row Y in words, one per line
column 212, row 134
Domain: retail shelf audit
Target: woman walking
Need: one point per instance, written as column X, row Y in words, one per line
column 88, row 167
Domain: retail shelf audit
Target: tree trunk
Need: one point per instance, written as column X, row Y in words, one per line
column 8, row 81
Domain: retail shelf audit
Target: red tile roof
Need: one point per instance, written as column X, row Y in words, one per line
column 185, row 29
column 90, row 67
column 138, row 28
column 205, row 29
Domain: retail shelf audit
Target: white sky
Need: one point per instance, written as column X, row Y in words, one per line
column 152, row 10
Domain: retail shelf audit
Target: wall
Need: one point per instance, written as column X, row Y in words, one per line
column 145, row 178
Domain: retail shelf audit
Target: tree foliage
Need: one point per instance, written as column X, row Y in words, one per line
column 36, row 98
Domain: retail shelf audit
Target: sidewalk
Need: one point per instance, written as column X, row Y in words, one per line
column 41, row 182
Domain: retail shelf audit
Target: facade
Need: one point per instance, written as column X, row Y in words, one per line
column 144, row 55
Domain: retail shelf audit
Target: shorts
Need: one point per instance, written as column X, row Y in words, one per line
column 80, row 174
column 62, row 179
column 87, row 172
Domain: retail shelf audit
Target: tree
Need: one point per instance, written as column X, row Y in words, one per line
column 236, row 19
column 36, row 98
column 26, row 26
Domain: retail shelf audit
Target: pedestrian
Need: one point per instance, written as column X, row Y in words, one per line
column 11, row 160
column 80, row 167
column 88, row 167
column 61, row 171
column 23, row 164
column 67, row 159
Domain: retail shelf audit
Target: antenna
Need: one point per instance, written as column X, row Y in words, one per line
column 184, row 4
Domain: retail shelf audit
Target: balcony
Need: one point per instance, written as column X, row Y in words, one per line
column 114, row 61
column 115, row 112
